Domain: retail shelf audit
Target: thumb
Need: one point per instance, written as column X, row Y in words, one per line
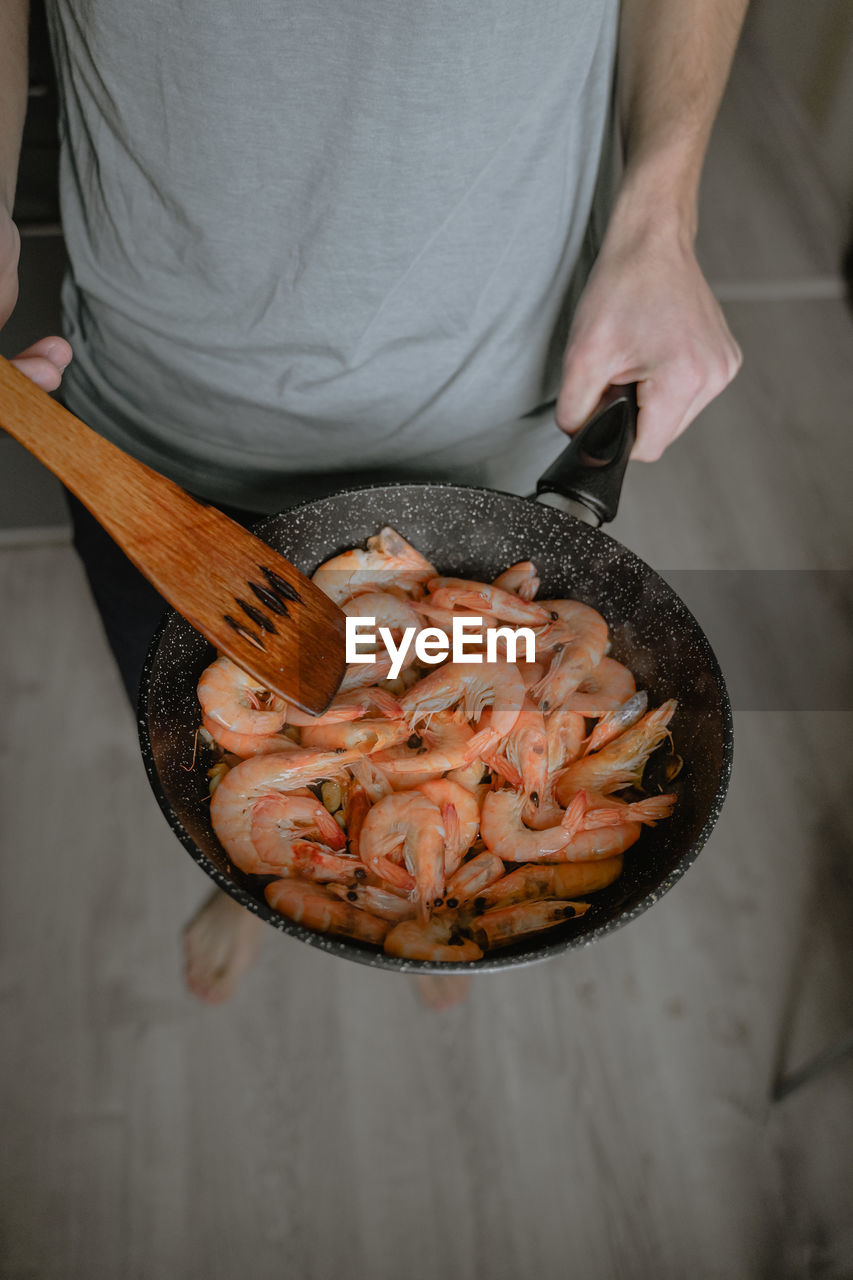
column 44, row 362
column 585, row 379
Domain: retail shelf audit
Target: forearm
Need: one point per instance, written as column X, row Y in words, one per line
column 45, row 359
column 674, row 59
column 647, row 314
column 14, row 18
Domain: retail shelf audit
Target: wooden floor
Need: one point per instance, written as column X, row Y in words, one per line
column 607, row 1116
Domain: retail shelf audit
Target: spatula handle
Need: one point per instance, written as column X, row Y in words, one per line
column 97, row 472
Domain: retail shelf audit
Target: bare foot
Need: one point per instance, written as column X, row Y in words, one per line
column 441, row 991
column 220, row 944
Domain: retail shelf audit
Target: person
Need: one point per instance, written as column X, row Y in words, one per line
column 308, row 240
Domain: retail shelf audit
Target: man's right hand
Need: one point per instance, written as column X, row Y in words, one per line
column 45, row 360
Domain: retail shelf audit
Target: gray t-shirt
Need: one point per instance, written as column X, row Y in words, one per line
column 313, row 236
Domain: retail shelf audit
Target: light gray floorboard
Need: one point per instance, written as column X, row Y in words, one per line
column 604, row 1116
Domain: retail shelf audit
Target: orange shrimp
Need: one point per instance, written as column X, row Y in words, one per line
column 607, row 830
column 351, row 705
column 474, row 777
column 388, row 560
column 406, row 823
column 472, row 878
column 247, row 744
column 475, row 686
column 525, row 747
column 577, row 640
column 361, row 735
column 462, row 593
column 360, row 674
column 460, row 814
column 612, row 723
column 233, row 800
column 237, row 701
column 295, row 835
column 503, row 832
column 522, row 578
column 433, row 939
column 565, row 733
column 606, row 687
column 556, row 880
column 621, row 762
column 505, row 925
column 378, row 901
column 445, row 745
column 316, row 908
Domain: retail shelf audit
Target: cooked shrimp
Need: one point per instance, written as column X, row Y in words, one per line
column 475, row 686
column 606, row 842
column 615, row 722
column 531, row 672
column 504, row 833
column 237, row 701
column 369, row 778
column 622, row 761
column 406, row 823
column 233, row 800
column 349, row 705
column 577, row 640
column 433, row 939
column 608, row 811
column 558, row 880
column 388, row 610
column 247, row 744
column 445, row 745
column 359, row 674
column 463, row 593
column 474, row 777
column 506, row 925
column 311, row 905
column 358, row 804
column 460, row 814
column 522, row 578
column 389, row 559
column 565, row 733
column 378, row 901
column 472, row 878
column 295, row 835
column 363, row 735
column 605, row 688
column 526, row 749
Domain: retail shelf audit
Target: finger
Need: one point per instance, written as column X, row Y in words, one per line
column 666, row 409
column 671, row 399
column 44, row 361
column 43, row 372
column 586, row 376
column 54, row 349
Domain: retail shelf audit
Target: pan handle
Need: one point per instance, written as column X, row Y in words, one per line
column 586, row 478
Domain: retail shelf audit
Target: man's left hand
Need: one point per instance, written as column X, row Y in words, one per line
column 647, row 316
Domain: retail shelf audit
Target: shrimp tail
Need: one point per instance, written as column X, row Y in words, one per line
column 573, row 819
column 386, row 703
column 502, row 767
column 482, row 744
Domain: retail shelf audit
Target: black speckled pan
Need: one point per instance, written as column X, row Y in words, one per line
column 475, row 533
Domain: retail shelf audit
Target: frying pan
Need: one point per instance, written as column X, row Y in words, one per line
column 475, row 532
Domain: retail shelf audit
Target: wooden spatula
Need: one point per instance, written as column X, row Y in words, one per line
column 244, row 597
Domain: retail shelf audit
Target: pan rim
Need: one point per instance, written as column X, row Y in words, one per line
column 363, row 954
